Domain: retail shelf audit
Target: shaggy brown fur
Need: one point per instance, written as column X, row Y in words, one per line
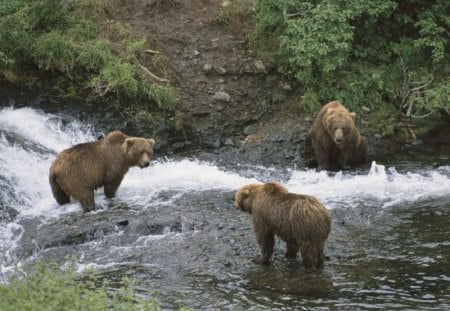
column 299, row 220
column 83, row 168
column 334, row 139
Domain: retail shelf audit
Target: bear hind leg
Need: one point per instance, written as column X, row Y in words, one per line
column 86, row 198
column 291, row 250
column 58, row 193
column 312, row 255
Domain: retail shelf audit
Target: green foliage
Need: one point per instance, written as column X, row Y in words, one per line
column 55, row 52
column 355, row 50
column 47, row 15
column 164, row 97
column 77, row 48
column 46, row 287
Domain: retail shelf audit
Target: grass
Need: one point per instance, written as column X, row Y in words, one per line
column 79, row 48
column 46, row 287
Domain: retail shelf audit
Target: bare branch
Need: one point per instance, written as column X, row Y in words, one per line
column 153, row 52
column 292, row 15
column 422, row 116
column 152, row 75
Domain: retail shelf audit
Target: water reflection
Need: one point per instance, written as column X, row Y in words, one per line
column 290, row 282
column 402, row 261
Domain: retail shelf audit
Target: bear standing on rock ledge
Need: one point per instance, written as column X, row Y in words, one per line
column 83, row 168
column 299, row 220
column 334, row 142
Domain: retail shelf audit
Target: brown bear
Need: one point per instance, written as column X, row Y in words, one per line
column 334, row 142
column 83, row 168
column 299, row 220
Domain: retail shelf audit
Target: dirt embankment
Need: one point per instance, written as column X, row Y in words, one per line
column 229, row 98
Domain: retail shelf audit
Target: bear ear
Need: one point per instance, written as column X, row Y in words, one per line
column 129, row 141
column 330, row 110
column 353, row 115
column 246, row 192
column 151, row 142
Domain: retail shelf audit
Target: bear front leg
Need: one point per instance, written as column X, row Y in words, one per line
column 346, row 159
column 322, row 155
column 110, row 189
column 291, row 250
column 266, row 241
column 87, row 201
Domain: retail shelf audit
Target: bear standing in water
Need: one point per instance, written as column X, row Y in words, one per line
column 299, row 220
column 83, row 168
column 334, row 142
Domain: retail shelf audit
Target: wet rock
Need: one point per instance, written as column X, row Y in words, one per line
column 7, row 214
column 123, row 223
column 247, row 69
column 187, row 226
column 213, row 142
column 251, row 129
column 207, row 68
column 259, row 66
column 229, row 142
column 220, row 70
column 253, row 138
column 178, row 146
column 221, row 96
column 220, row 107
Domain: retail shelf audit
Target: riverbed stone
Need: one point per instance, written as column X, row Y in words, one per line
column 250, row 129
column 259, row 65
column 220, row 70
column 207, row 68
column 221, row 96
column 229, row 142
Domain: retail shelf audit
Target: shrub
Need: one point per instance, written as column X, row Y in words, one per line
column 76, row 47
column 357, row 51
column 46, row 287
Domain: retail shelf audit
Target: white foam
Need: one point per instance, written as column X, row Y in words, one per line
column 386, row 187
column 45, row 129
column 141, row 185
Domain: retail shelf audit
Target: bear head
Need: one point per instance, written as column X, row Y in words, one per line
column 339, row 123
column 243, row 199
column 245, row 196
column 139, row 151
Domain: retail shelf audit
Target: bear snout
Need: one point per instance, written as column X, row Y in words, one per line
column 145, row 164
column 338, row 136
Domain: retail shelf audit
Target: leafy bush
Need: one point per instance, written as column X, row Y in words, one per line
column 46, row 287
column 76, row 46
column 358, row 51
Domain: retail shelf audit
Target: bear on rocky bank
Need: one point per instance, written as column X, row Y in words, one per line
column 299, row 220
column 83, row 168
column 334, row 142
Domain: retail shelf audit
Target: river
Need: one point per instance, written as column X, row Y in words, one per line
column 172, row 227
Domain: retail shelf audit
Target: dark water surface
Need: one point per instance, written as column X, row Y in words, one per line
column 173, row 229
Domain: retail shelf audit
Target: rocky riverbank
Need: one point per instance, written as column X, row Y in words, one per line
column 232, row 103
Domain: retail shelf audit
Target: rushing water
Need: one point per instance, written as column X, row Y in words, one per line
column 172, row 227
